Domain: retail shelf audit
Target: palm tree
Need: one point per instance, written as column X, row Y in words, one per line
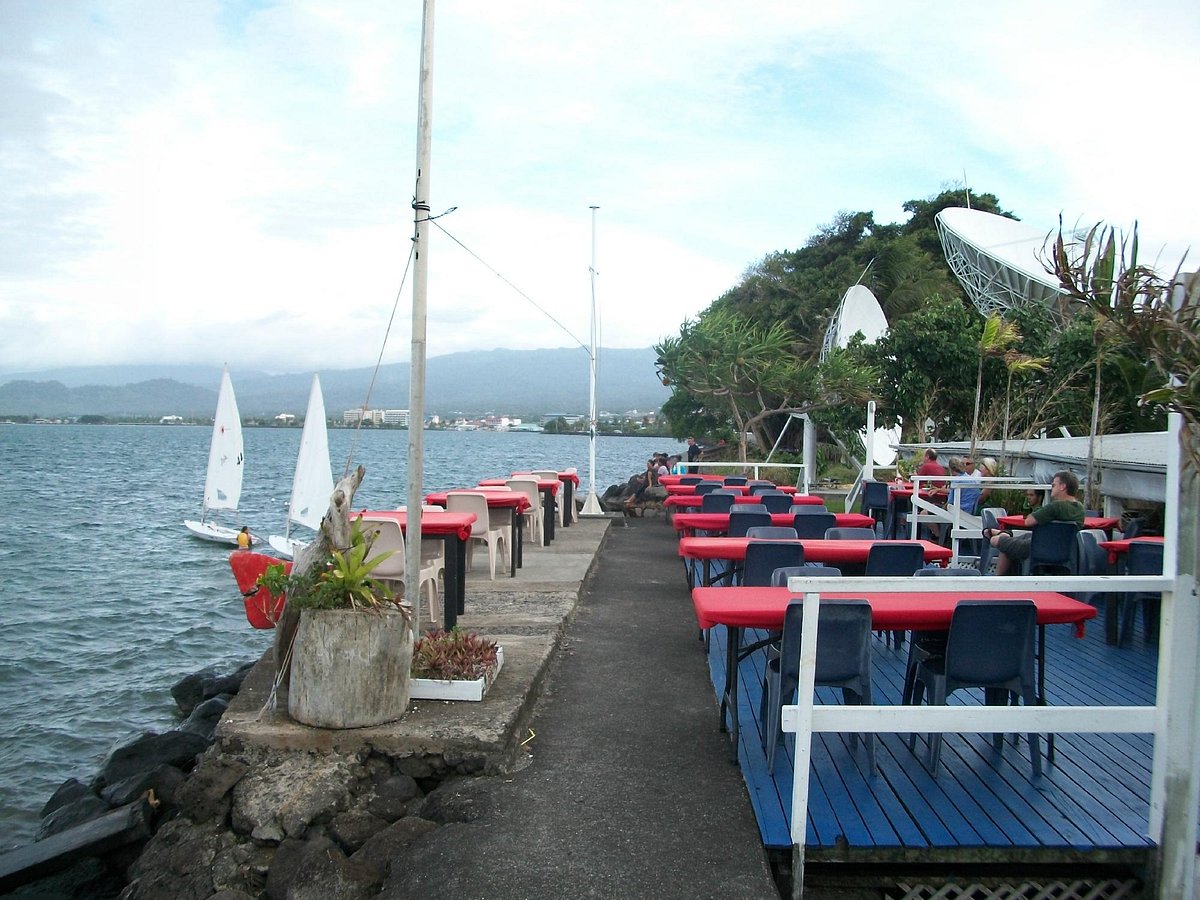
column 997, row 339
column 1016, row 363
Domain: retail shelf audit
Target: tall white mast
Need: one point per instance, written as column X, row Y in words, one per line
column 591, row 506
column 416, row 384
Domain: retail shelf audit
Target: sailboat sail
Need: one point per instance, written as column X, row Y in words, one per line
column 223, row 482
column 312, row 484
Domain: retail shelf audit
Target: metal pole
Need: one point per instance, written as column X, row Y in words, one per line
column 416, row 389
column 591, row 506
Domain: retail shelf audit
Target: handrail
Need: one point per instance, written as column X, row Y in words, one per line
column 755, row 468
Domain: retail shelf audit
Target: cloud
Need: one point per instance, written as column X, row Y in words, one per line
column 232, row 181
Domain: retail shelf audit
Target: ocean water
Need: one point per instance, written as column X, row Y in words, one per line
column 107, row 601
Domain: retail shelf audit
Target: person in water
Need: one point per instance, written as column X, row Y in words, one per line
column 244, row 538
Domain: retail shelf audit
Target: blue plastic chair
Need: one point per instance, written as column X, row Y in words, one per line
column 771, row 533
column 843, row 660
column 758, row 487
column 809, row 509
column 690, row 479
column 776, row 501
column 813, row 526
column 743, row 516
column 735, row 480
column 989, row 518
column 1052, row 549
column 1143, row 559
column 850, row 534
column 764, row 557
column 990, row 646
column 927, row 644
column 874, row 500
column 779, row 578
column 706, row 487
column 716, row 501
column 895, row 558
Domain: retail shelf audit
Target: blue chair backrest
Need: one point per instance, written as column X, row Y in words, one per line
column 706, row 487
column 812, row 526
column 874, row 496
column 743, row 516
column 843, row 643
column 849, row 534
column 895, row 558
column 772, row 533
column 764, row 557
column 776, row 501
column 1134, row 527
column 991, row 641
column 936, row 571
column 1144, row 558
column 735, row 480
column 1053, row 545
column 779, row 578
column 809, row 509
column 757, row 487
column 690, row 479
column 716, row 501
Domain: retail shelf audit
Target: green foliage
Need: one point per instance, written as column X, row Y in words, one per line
column 454, row 655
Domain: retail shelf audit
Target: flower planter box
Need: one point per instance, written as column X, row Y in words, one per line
column 436, row 689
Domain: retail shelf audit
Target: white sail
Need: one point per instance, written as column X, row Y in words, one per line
column 312, row 482
column 223, row 483
column 223, row 480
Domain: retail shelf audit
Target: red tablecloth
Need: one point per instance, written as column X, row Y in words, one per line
column 1104, row 523
column 693, row 521
column 495, row 499
column 764, row 607
column 687, row 501
column 686, row 490
column 674, row 479
column 432, row 523
column 1116, row 548
column 544, row 484
column 822, row 551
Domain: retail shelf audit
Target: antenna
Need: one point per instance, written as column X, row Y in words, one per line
column 591, row 506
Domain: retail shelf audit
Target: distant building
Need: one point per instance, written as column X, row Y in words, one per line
column 285, row 418
column 396, row 417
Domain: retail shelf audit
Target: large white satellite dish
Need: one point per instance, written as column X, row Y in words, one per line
column 997, row 260
column 860, row 311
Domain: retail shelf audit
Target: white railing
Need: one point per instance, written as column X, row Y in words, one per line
column 751, row 469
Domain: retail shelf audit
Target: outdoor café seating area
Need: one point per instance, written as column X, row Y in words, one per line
column 890, row 795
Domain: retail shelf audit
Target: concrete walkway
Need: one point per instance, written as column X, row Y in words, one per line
column 624, row 787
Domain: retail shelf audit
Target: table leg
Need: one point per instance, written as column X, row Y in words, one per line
column 568, row 489
column 454, row 599
column 1041, row 686
column 548, row 514
column 518, row 547
column 733, row 639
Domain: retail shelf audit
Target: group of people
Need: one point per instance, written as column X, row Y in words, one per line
column 965, row 485
column 640, row 485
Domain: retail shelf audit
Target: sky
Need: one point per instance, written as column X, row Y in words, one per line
column 212, row 182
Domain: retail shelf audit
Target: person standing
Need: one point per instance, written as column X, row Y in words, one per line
column 693, row 454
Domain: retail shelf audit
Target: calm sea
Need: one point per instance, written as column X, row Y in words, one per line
column 107, row 601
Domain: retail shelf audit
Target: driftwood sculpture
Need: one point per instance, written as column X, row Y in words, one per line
column 334, row 534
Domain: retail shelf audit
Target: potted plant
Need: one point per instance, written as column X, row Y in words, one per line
column 346, row 641
column 454, row 665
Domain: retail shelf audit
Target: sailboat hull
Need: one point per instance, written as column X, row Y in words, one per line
column 287, row 547
column 209, row 532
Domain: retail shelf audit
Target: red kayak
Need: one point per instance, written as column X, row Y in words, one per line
column 247, row 567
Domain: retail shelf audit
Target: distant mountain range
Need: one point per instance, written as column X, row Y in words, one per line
column 527, row 383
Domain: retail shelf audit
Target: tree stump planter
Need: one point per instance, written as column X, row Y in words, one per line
column 350, row 668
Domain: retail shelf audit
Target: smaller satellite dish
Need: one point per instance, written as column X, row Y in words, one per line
column 859, row 311
column 997, row 260
column 883, row 445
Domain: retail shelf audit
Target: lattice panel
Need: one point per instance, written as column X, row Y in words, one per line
column 1107, row 889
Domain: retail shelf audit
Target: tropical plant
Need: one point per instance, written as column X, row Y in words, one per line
column 340, row 581
column 454, row 655
column 1015, row 363
column 997, row 339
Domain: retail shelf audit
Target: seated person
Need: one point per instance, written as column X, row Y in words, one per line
column 1063, row 507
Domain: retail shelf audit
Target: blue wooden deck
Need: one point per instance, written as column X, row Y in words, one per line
column 1091, row 803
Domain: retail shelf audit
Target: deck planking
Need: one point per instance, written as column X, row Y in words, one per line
column 1094, row 798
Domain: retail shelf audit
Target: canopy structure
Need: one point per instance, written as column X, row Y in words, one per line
column 997, row 260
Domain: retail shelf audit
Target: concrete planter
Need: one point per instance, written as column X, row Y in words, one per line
column 437, row 689
column 350, row 668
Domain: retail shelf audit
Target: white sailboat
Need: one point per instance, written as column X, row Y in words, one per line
column 223, row 482
column 312, row 483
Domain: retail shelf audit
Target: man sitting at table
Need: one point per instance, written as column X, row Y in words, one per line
column 1063, row 507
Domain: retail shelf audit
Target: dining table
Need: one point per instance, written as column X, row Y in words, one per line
column 549, row 490
column 513, row 501
column 695, row 501
column 843, row 554
column 687, row 490
column 690, row 522
column 739, row 608
column 455, row 529
column 1118, row 548
column 570, row 484
column 1104, row 523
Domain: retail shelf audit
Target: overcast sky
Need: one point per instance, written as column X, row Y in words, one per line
column 208, row 182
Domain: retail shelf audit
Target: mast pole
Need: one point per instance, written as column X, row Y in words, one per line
column 591, row 506
column 416, row 389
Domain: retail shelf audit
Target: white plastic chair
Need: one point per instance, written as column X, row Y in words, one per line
column 388, row 536
column 550, row 475
column 433, row 549
column 527, row 485
column 481, row 530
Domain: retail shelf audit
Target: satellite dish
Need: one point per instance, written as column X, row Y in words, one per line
column 860, row 311
column 997, row 260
